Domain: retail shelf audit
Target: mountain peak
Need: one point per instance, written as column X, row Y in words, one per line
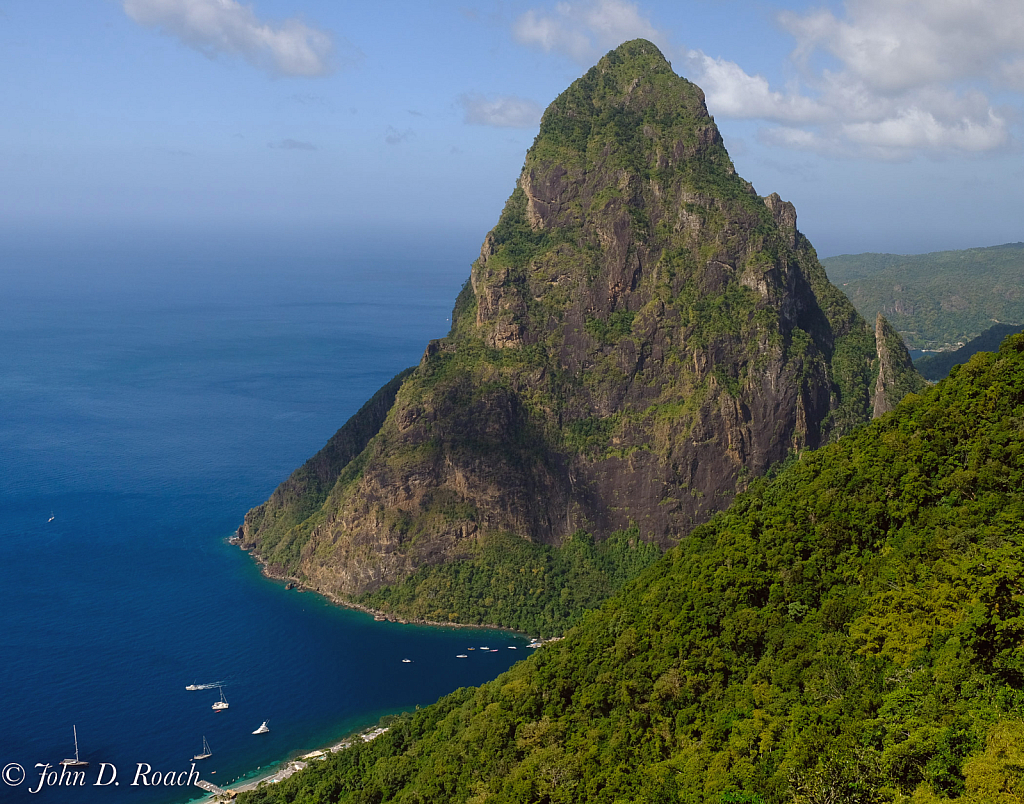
column 641, row 333
column 618, row 74
column 636, row 52
column 630, row 100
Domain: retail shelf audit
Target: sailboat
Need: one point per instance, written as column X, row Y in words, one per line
column 51, row 517
column 207, row 753
column 263, row 729
column 76, row 762
column 222, row 703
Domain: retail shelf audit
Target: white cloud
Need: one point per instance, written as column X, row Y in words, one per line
column 903, row 77
column 734, row 93
column 502, row 111
column 1013, row 74
column 877, row 78
column 920, row 129
column 586, row 29
column 791, row 138
column 897, row 45
column 216, row 27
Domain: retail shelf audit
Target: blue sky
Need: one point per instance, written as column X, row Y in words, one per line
column 893, row 125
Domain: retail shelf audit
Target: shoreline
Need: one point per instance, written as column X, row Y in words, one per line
column 292, row 582
column 287, row 767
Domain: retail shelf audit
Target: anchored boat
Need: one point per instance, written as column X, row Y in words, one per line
column 207, row 753
column 76, row 762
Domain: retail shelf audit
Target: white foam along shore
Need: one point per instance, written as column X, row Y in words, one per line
column 286, row 769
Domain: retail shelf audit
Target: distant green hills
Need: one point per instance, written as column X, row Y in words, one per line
column 935, row 367
column 939, row 300
column 849, row 631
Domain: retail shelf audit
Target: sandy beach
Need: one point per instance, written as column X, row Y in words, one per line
column 286, row 769
column 290, row 767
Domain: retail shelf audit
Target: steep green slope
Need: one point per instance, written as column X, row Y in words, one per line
column 850, row 631
column 939, row 300
column 534, row 588
column 641, row 335
column 935, row 367
column 302, row 494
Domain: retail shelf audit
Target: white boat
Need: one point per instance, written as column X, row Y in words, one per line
column 462, row 656
column 222, row 703
column 193, row 687
column 207, row 753
column 76, row 762
column 406, row 661
column 51, row 520
column 263, row 729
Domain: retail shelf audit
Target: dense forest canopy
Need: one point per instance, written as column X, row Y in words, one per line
column 850, row 630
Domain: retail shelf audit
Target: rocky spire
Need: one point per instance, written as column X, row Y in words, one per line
column 897, row 376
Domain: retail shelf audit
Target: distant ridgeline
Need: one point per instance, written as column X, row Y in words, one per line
column 642, row 335
column 849, row 631
column 940, row 300
column 935, row 367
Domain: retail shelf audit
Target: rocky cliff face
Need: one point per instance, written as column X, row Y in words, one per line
column 641, row 333
column 896, row 374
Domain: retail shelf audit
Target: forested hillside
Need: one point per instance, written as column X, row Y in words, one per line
column 935, row 367
column 534, row 588
column 939, row 300
column 848, row 631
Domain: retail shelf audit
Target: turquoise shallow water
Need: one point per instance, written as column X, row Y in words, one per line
column 145, row 408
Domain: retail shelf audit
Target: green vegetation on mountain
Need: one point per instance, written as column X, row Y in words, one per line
column 939, row 300
column 851, row 630
column 303, row 494
column 935, row 367
column 534, row 588
column 641, row 336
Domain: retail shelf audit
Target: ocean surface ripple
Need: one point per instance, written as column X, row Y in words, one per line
column 143, row 413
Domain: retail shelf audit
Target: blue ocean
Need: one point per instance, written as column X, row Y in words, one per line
column 152, row 390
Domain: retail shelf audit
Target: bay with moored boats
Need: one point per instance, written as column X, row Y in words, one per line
column 152, row 393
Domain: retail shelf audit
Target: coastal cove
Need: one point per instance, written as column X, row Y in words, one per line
column 146, row 409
